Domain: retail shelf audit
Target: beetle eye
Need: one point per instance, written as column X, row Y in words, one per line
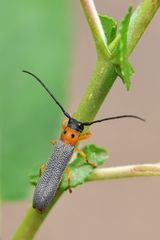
column 65, row 132
column 72, row 135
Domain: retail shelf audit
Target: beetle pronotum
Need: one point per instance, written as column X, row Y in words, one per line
column 52, row 172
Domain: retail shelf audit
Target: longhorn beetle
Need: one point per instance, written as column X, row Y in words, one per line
column 52, row 172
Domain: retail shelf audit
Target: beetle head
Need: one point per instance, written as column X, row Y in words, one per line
column 76, row 125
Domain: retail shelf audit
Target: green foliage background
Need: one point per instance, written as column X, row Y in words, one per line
column 35, row 36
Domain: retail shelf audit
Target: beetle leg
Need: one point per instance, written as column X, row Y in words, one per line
column 64, row 123
column 85, row 157
column 69, row 179
column 85, row 136
column 53, row 141
column 41, row 170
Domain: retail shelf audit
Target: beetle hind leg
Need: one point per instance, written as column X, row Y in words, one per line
column 41, row 170
column 69, row 179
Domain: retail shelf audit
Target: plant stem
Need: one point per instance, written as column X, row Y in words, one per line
column 96, row 27
column 140, row 20
column 104, row 74
column 32, row 221
column 101, row 82
column 140, row 170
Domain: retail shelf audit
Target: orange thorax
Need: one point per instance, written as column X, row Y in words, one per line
column 70, row 136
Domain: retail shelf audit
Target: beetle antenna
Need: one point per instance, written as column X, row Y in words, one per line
column 111, row 118
column 44, row 86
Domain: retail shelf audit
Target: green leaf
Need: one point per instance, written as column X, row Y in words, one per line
column 79, row 169
column 36, row 36
column 120, row 55
column 109, row 26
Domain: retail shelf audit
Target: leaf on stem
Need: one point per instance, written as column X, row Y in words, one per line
column 79, row 169
column 120, row 54
column 109, row 25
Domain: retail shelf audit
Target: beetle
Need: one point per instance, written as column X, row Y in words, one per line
column 51, row 173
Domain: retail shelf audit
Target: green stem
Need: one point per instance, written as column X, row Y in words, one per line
column 140, row 20
column 32, row 221
column 104, row 74
column 96, row 28
column 101, row 82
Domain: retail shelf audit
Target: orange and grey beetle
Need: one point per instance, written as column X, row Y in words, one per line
column 52, row 172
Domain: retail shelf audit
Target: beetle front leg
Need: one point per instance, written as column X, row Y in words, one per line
column 85, row 157
column 64, row 123
column 53, row 141
column 85, row 136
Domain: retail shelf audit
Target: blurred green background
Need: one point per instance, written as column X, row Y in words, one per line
column 35, row 36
